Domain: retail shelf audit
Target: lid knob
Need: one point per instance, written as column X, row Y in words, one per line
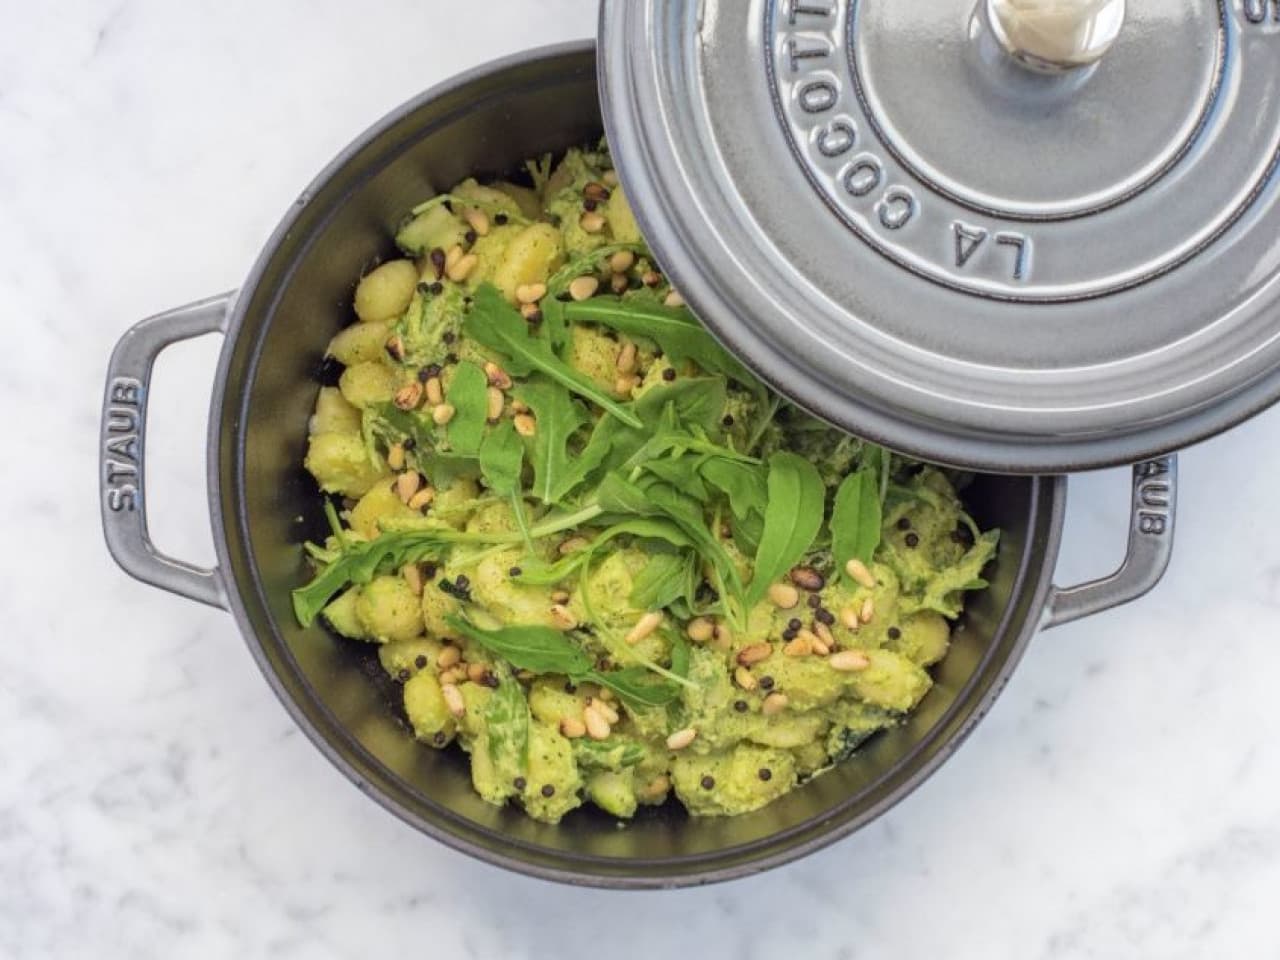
column 1054, row 36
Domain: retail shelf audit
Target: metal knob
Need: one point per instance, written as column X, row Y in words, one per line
column 1054, row 36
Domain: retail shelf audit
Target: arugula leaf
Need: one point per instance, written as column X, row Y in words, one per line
column 558, row 416
column 662, row 581
column 537, row 649
column 746, row 485
column 617, row 753
column 636, row 686
column 507, row 727
column 469, row 395
column 944, row 593
column 537, row 573
column 797, row 498
column 496, row 324
column 675, row 330
column 501, row 457
column 857, row 517
column 682, row 473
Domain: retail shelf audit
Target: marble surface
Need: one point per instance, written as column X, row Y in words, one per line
column 1121, row 801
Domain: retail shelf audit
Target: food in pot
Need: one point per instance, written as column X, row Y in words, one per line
column 599, row 554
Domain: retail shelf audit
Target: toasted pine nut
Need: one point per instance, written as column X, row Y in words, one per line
column 407, row 485
column 754, row 654
column 462, row 269
column 849, row 617
column 644, row 627
column 531, row 292
column 395, row 347
column 563, row 618
column 681, row 738
column 723, row 636
column 476, row 672
column 413, row 577
column 807, row 578
column 651, row 278
column 674, row 300
column 478, row 220
column 824, row 634
column 609, row 178
column 497, row 400
column 622, row 261
column 453, row 699
column 597, row 725
column 443, row 413
column 584, row 288
column 435, row 391
column 868, row 611
column 497, row 376
column 595, row 191
column 591, row 222
column 849, row 661
column 619, row 283
column 572, row 727
column 422, row 498
column 531, row 312
column 559, row 596
column 455, row 254
column 455, row 674
column 774, row 703
column 625, row 384
column 606, row 709
column 860, row 573
column 784, row 596
column 526, row 426
column 519, row 406
column 700, row 630
column 799, row 647
column 627, row 358
column 448, row 656
column 409, row 396
column 395, row 456
column 572, row 545
column 745, row 678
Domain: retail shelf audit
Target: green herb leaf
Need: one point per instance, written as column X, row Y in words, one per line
column 797, row 498
column 856, row 517
column 507, row 727
column 617, row 753
column 675, row 330
column 469, row 395
column 662, row 581
column 538, row 649
column 501, row 458
column 555, row 471
column 494, row 323
column 944, row 592
column 636, row 686
column 745, row 484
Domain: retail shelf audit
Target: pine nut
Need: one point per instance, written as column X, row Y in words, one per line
column 820, row 649
column 745, row 678
column 407, row 485
column 609, row 178
column 422, row 498
column 681, row 738
column 496, row 402
column 625, row 384
column 563, row 618
column 799, row 647
column 413, row 577
column 622, row 261
column 395, row 348
column 861, row 573
column 597, row 725
column 560, row 596
column 447, row 657
column 531, row 312
column 723, row 636
column 409, row 396
column 700, row 630
column 443, row 413
column 451, row 258
column 849, row 617
column 655, row 789
column 572, row 728
column 849, row 661
column 619, row 283
column 606, row 709
column 395, row 456
column 455, row 674
column 476, row 672
column 462, row 269
column 807, row 578
column 868, row 611
column 595, row 190
column 435, row 391
column 478, row 220
column 784, row 596
column 526, row 426
column 674, row 300
column 627, row 358
column 591, row 222
column 572, row 545
column 453, row 699
column 531, row 292
column 644, row 627
column 774, row 703
column 754, row 654
column 584, row 288
column 824, row 634
column 497, row 376
column 651, row 278
column 519, row 406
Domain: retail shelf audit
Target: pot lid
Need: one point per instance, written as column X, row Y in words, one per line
column 1015, row 235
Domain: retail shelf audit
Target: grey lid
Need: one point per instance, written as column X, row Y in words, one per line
column 931, row 224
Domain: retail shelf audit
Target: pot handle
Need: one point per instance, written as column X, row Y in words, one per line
column 1151, row 525
column 122, row 480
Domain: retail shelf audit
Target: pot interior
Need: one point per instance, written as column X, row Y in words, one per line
column 266, row 505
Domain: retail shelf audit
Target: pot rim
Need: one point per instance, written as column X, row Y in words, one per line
column 451, row 829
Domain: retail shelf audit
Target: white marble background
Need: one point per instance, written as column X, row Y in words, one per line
column 1122, row 800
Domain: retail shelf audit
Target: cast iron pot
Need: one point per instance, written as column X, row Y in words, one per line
column 277, row 326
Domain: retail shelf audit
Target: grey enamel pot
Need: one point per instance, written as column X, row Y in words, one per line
column 263, row 506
